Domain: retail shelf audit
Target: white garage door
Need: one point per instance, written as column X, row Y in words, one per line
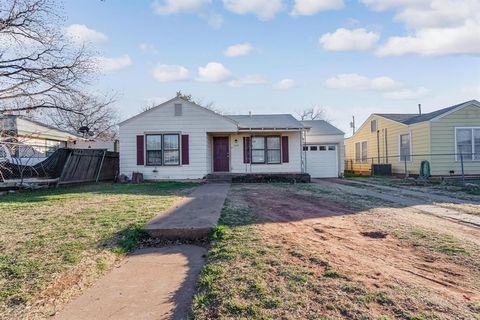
column 322, row 160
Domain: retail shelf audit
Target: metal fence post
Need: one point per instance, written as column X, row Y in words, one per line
column 405, row 162
column 463, row 169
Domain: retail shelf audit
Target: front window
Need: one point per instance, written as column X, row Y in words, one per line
column 405, row 152
column 154, row 149
column 163, row 149
column 266, row 150
column 171, row 150
column 273, row 150
column 258, row 150
column 468, row 143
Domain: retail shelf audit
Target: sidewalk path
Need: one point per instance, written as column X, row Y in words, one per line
column 153, row 283
column 193, row 217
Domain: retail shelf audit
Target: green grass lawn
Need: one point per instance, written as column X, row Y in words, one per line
column 49, row 233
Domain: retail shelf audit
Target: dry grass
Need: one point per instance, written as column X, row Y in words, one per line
column 305, row 252
column 57, row 239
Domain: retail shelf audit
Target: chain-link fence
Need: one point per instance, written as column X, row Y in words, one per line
column 24, row 165
column 451, row 165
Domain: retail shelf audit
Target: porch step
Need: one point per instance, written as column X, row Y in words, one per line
column 219, row 178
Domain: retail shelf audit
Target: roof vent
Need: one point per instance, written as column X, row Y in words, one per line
column 419, row 109
column 250, row 114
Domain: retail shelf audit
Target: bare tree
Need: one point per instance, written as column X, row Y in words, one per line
column 39, row 67
column 96, row 113
column 312, row 113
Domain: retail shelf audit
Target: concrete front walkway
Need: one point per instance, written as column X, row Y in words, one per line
column 153, row 283
column 193, row 217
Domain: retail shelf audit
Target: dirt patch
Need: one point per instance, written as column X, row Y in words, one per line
column 419, row 278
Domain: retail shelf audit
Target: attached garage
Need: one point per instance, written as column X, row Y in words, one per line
column 323, row 149
column 322, row 160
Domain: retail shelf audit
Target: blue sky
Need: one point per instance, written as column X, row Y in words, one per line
column 349, row 57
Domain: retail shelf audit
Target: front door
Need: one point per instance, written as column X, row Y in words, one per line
column 220, row 154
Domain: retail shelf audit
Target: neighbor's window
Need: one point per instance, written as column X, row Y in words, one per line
column 405, row 152
column 154, row 149
column 373, row 126
column 331, row 148
column 171, row 150
column 322, row 148
column 258, row 150
column 468, row 143
column 361, row 151
column 266, row 150
column 313, row 148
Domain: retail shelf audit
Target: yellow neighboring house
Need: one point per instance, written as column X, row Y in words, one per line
column 442, row 138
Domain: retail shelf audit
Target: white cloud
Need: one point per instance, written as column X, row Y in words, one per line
column 472, row 91
column 214, row 72
column 358, row 82
column 311, row 7
column 284, row 84
column 263, row 9
column 148, row 48
column 178, row 6
column 240, row 49
column 435, row 27
column 170, row 72
column 391, row 89
column 80, row 34
column 436, row 41
column 349, row 40
column 407, row 94
column 252, row 79
column 111, row 65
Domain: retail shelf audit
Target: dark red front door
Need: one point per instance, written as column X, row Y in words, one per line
column 220, row 154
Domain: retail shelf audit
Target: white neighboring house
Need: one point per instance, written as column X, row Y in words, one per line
column 182, row 140
column 109, row 145
column 324, row 149
column 28, row 142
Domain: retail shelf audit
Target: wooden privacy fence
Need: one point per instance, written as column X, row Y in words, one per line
column 87, row 165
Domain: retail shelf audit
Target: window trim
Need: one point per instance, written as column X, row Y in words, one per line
column 457, row 155
column 361, row 151
column 178, row 134
column 265, row 149
column 410, row 158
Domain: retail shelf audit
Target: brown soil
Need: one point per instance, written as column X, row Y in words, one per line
column 363, row 247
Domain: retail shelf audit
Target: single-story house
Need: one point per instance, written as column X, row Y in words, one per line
column 29, row 141
column 181, row 140
column 443, row 138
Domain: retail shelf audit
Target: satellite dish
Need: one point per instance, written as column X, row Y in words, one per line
column 84, row 129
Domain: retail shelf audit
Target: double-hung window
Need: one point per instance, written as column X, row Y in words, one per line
column 468, row 143
column 361, row 151
column 162, row 149
column 266, row 150
column 405, row 147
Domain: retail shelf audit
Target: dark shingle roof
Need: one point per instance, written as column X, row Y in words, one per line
column 266, row 121
column 321, row 127
column 407, row 118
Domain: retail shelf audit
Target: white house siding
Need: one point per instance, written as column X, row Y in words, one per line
column 195, row 121
column 294, row 165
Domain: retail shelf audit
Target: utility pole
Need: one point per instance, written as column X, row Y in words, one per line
column 352, row 124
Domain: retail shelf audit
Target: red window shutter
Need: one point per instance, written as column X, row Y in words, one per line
column 285, row 149
column 140, row 151
column 246, row 149
column 185, row 150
